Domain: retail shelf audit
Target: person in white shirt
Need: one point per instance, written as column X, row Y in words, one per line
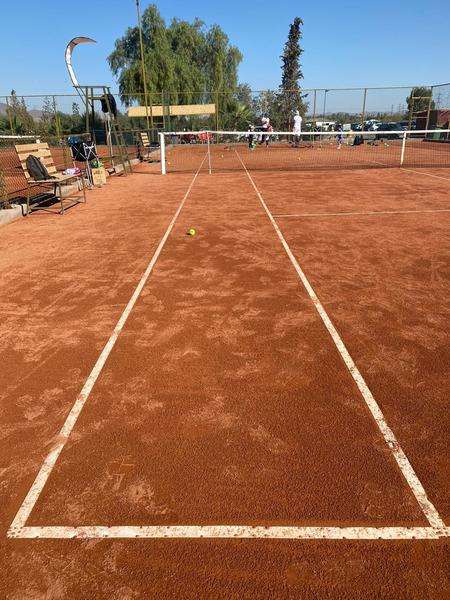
column 297, row 128
column 265, row 127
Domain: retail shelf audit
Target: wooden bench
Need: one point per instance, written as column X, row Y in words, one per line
column 145, row 142
column 55, row 184
column 152, row 149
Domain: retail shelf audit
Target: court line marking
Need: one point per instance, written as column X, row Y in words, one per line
column 427, row 174
column 368, row 213
column 19, row 530
column 233, row 531
column 428, row 509
column 61, row 440
column 401, row 168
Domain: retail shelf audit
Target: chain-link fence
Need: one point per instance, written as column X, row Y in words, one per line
column 65, row 114
column 13, row 184
column 54, row 117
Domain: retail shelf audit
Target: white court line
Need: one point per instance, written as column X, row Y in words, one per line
column 50, row 460
column 401, row 168
column 19, row 530
column 367, row 213
column 233, row 531
column 403, row 463
column 427, row 174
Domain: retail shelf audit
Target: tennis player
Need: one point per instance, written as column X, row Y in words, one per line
column 297, row 131
column 251, row 137
column 265, row 126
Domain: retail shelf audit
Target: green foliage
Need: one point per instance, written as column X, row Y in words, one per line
column 4, row 124
column 419, row 99
column 22, row 121
column 290, row 96
column 47, row 120
column 268, row 103
column 182, row 60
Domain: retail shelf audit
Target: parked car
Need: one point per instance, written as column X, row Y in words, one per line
column 407, row 125
column 389, row 131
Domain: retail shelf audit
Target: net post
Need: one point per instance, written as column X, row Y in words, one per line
column 402, row 156
column 209, row 152
column 162, row 148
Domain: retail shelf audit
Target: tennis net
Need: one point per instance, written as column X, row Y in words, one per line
column 218, row 151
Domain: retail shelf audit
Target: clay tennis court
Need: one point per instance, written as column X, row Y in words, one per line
column 259, row 410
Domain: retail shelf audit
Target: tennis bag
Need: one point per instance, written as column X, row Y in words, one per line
column 82, row 151
column 36, row 169
column 109, row 100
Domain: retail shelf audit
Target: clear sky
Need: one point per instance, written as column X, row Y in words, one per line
column 346, row 43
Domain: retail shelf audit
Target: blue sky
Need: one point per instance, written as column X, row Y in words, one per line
column 397, row 42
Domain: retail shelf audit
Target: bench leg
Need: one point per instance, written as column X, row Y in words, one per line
column 58, row 187
column 83, row 187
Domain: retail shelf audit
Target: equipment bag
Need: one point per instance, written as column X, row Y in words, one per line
column 109, row 99
column 36, row 169
column 83, row 151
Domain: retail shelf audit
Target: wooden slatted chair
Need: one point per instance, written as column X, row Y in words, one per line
column 55, row 185
column 145, row 142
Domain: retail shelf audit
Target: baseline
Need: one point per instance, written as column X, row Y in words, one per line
column 234, row 531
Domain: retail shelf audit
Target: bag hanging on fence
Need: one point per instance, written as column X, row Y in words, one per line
column 82, row 151
column 112, row 104
column 36, row 169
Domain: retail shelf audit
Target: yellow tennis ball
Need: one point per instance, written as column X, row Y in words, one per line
column 192, row 231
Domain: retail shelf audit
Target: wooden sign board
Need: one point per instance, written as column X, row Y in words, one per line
column 176, row 110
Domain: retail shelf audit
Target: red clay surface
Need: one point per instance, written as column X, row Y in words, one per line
column 225, row 400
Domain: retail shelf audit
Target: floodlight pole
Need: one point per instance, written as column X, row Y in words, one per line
column 314, row 108
column 430, row 104
column 324, row 106
column 363, row 113
column 144, row 78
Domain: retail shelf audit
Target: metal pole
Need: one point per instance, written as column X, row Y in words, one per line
column 402, row 156
column 411, row 108
column 314, row 109
column 324, row 105
column 363, row 113
column 162, row 147
column 209, row 152
column 57, row 119
column 144, row 78
column 217, row 111
column 9, row 111
column 87, row 109
column 429, row 108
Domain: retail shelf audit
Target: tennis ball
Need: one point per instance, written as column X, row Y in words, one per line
column 192, row 231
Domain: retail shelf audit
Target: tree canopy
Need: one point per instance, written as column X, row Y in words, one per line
column 419, row 100
column 184, row 60
column 291, row 98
